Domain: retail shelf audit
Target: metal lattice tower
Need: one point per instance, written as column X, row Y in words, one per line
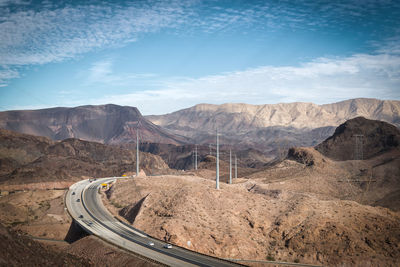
column 358, row 149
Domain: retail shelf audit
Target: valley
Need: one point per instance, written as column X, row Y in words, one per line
column 323, row 201
column 306, row 208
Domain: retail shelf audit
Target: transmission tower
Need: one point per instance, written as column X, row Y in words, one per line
column 358, row 149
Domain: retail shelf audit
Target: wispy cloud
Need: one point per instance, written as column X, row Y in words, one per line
column 13, row 2
column 56, row 32
column 309, row 15
column 101, row 73
column 39, row 36
column 323, row 80
column 6, row 74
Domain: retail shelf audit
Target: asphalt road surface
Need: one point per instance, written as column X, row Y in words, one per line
column 85, row 206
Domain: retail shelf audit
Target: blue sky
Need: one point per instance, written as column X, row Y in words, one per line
column 161, row 56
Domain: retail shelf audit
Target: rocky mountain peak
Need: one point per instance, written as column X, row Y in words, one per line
column 103, row 123
column 360, row 138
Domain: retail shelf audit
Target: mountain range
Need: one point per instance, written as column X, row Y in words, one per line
column 270, row 128
column 242, row 118
column 273, row 127
column 108, row 124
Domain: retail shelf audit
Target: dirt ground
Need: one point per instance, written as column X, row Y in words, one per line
column 291, row 212
column 38, row 213
column 39, row 217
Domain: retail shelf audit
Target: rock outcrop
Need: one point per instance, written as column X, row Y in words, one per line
column 360, row 138
column 27, row 159
column 109, row 124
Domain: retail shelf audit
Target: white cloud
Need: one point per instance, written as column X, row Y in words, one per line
column 102, row 73
column 14, row 2
column 321, row 81
column 39, row 37
column 6, row 74
column 51, row 34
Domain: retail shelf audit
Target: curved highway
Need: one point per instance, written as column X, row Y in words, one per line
column 85, row 206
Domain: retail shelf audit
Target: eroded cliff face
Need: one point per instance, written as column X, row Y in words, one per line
column 273, row 128
column 242, row 118
column 110, row 124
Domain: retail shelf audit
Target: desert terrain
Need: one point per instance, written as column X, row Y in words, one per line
column 307, row 208
column 323, row 205
column 35, row 175
column 259, row 218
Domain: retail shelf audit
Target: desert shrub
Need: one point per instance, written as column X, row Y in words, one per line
column 270, row 257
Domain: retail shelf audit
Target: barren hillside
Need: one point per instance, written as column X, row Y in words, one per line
column 183, row 157
column 26, row 159
column 306, row 208
column 360, row 138
column 274, row 126
column 18, row 250
column 241, row 118
column 110, row 124
column 255, row 220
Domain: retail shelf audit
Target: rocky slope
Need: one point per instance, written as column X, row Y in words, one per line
column 182, row 157
column 254, row 220
column 100, row 253
column 18, row 250
column 240, row 118
column 110, row 124
column 273, row 127
column 307, row 208
column 346, row 143
column 30, row 159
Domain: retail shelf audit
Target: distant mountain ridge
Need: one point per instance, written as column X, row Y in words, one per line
column 241, row 118
column 273, row 128
column 270, row 128
column 109, row 124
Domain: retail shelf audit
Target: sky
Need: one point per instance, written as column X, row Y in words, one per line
column 162, row 56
